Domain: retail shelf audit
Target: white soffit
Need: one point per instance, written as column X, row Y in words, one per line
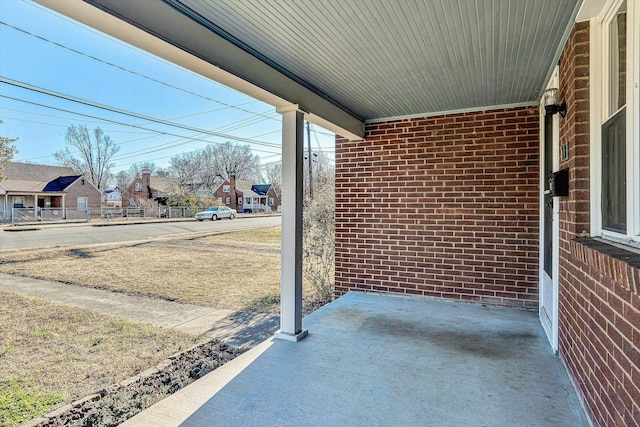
column 388, row 58
column 371, row 59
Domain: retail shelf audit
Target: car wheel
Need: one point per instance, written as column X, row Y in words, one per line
column 232, row 216
column 214, row 217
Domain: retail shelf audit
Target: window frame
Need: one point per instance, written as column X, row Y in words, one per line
column 15, row 201
column 600, row 89
column 138, row 186
column 226, row 188
column 86, row 203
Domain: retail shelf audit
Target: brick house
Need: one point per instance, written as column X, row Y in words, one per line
column 246, row 196
column 451, row 123
column 146, row 189
column 47, row 192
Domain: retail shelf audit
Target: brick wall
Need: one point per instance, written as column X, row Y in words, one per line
column 442, row 206
column 221, row 194
column 599, row 306
column 78, row 189
column 131, row 194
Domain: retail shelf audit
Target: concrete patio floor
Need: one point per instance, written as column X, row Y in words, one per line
column 385, row 360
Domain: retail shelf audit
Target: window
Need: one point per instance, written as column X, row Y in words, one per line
column 239, row 200
column 18, row 202
column 228, row 200
column 271, row 201
column 616, row 183
column 226, row 188
column 82, row 203
column 138, row 186
column 614, row 174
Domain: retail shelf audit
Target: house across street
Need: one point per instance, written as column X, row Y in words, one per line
column 43, row 192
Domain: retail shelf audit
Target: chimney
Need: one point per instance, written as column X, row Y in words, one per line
column 146, row 180
column 232, row 190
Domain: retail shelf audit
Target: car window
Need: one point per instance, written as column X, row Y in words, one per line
column 212, row 209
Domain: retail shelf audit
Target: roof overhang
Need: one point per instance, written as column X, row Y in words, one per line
column 350, row 62
column 166, row 33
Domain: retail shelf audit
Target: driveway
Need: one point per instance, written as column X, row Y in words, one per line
column 88, row 234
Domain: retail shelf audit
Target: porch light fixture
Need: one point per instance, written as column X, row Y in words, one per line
column 551, row 105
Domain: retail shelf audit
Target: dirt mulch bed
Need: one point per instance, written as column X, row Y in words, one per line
column 113, row 406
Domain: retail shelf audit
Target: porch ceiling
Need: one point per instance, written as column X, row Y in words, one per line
column 350, row 61
column 380, row 59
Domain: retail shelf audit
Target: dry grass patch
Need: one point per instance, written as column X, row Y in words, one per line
column 269, row 236
column 51, row 353
column 237, row 271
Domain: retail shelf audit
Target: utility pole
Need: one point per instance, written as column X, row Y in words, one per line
column 310, row 162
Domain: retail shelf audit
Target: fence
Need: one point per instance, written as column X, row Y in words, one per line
column 30, row 215
column 153, row 212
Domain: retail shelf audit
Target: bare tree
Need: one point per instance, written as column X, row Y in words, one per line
column 186, row 167
column 165, row 172
column 94, row 154
column 122, row 180
column 271, row 173
column 136, row 168
column 215, row 163
column 7, row 151
column 235, row 159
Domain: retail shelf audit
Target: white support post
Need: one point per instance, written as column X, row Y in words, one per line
column 292, row 192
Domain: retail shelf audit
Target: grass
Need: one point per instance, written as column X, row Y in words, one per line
column 269, row 236
column 239, row 271
column 51, row 353
column 20, row 401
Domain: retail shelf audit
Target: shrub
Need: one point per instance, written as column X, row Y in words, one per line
column 319, row 241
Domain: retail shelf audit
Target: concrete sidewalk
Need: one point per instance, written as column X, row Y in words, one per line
column 240, row 329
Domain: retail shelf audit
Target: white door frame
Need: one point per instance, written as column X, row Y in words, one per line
column 548, row 295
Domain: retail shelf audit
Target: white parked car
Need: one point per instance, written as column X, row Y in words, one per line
column 216, row 212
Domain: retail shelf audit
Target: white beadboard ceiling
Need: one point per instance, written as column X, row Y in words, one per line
column 387, row 58
column 350, row 61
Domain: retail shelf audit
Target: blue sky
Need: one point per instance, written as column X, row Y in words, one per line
column 48, row 52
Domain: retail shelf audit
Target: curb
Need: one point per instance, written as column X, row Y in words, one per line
column 32, row 227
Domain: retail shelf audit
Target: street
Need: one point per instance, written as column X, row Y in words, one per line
column 88, row 234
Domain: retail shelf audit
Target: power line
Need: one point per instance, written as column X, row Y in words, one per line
column 121, row 68
column 137, row 153
column 48, row 92
column 123, row 44
column 66, row 126
column 139, row 51
column 231, row 126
